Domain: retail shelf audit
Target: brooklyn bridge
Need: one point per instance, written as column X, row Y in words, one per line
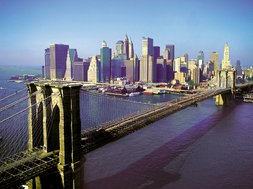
column 56, row 142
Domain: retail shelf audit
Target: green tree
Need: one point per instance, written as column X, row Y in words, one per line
column 191, row 83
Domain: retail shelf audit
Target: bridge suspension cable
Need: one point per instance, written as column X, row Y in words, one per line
column 21, row 111
column 17, row 102
column 13, row 94
column 16, row 140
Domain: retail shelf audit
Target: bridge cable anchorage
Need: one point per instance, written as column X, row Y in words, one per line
column 13, row 94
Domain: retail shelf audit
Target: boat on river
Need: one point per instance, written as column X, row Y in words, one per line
column 248, row 97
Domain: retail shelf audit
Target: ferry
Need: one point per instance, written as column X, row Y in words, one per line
column 134, row 93
column 148, row 92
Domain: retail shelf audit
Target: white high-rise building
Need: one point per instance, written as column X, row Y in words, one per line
column 147, row 63
column 93, row 71
column 226, row 58
column 177, row 64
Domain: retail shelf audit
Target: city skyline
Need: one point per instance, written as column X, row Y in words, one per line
column 28, row 27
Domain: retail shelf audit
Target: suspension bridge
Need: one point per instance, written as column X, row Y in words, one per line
column 55, row 136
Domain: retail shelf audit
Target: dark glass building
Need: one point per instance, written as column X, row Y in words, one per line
column 58, row 56
column 105, row 61
column 47, row 64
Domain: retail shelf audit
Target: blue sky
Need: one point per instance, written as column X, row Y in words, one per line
column 27, row 27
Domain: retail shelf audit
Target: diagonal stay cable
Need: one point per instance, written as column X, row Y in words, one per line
column 12, row 94
column 22, row 111
column 16, row 102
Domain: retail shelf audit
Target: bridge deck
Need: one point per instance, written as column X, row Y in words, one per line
column 99, row 136
column 18, row 168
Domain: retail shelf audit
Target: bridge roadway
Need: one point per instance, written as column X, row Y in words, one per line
column 19, row 168
column 95, row 137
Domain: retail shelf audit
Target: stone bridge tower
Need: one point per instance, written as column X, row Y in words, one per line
column 55, row 115
column 225, row 79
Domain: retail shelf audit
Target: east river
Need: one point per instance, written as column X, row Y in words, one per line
column 203, row 147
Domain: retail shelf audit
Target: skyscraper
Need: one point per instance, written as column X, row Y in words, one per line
column 119, row 48
column 71, row 58
column 105, row 59
column 169, row 55
column 161, row 71
column 156, row 52
column 200, row 60
column 147, row 63
column 170, row 52
column 58, row 56
column 238, row 68
column 47, row 63
column 214, row 58
column 131, row 49
column 43, row 72
column 93, row 71
column 226, row 58
column 147, row 47
column 177, row 64
column 126, row 47
column 80, row 70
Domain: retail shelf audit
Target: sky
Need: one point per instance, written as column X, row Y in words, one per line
column 27, row 27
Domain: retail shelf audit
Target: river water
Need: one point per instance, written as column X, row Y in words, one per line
column 203, row 147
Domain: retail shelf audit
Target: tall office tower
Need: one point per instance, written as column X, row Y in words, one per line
column 129, row 66
column 171, row 52
column 94, row 70
column 105, row 59
column 58, row 56
column 156, row 52
column 161, row 69
column 43, row 72
column 238, row 68
column 71, row 58
column 169, row 55
column 80, row 70
column 186, row 56
column 226, row 58
column 200, row 60
column 166, row 54
column 47, row 63
column 119, row 48
column 147, row 47
column 191, row 66
column 116, row 64
column 131, row 49
column 136, row 68
column 126, row 47
column 180, row 76
column 177, row 64
column 196, row 75
column 208, row 71
column 214, row 58
column 147, row 63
